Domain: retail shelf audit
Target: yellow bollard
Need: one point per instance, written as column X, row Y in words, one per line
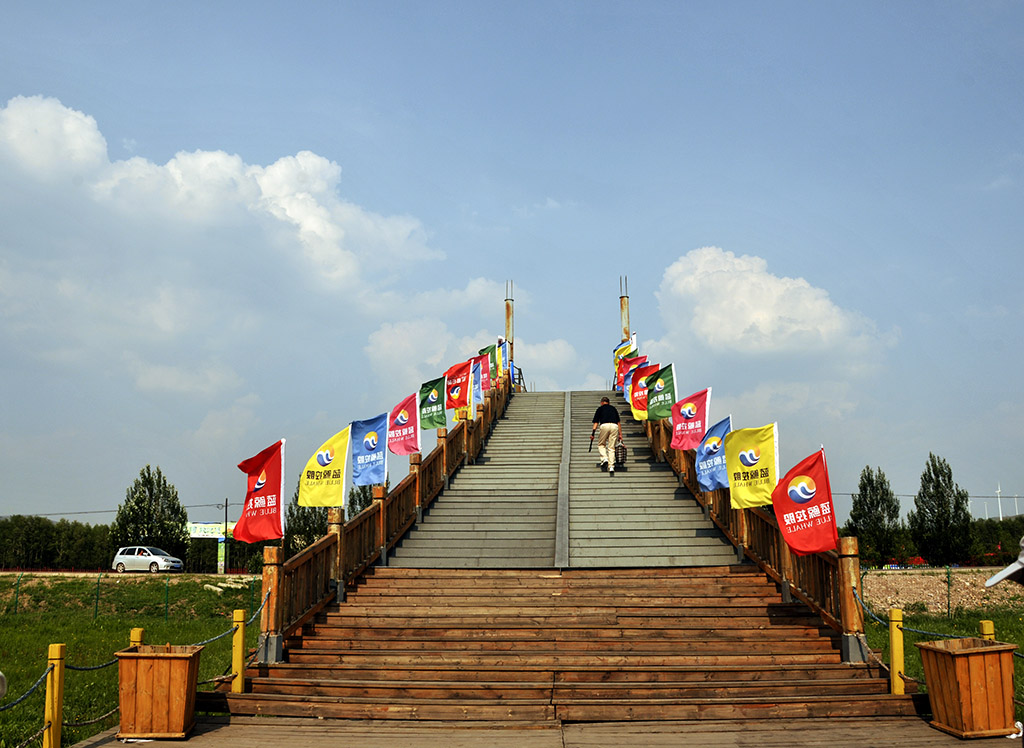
column 238, row 653
column 137, row 637
column 53, row 716
column 988, row 630
column 896, row 665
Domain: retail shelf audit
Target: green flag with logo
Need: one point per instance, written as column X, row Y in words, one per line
column 661, row 393
column 432, row 414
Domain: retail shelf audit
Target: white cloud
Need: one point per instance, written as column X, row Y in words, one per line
column 731, row 304
column 226, row 429
column 206, row 380
column 48, row 140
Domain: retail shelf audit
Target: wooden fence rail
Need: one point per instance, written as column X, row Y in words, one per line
column 304, row 584
column 823, row 581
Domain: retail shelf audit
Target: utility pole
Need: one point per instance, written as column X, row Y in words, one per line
column 624, row 306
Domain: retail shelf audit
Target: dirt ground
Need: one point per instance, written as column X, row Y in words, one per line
column 909, row 589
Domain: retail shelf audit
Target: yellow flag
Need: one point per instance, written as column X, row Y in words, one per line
column 323, row 479
column 752, row 463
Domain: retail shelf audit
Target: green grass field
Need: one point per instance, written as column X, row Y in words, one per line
column 68, row 610
column 1009, row 627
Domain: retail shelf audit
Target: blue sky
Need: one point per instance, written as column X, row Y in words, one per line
column 223, row 224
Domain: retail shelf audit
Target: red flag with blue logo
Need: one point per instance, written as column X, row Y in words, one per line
column 404, row 427
column 263, row 514
column 457, row 385
column 803, row 507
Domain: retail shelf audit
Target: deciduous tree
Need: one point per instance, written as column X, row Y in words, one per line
column 875, row 518
column 151, row 515
column 940, row 524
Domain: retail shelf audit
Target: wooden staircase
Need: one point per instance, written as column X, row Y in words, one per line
column 571, row 645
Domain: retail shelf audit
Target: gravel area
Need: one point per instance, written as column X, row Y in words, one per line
column 908, row 589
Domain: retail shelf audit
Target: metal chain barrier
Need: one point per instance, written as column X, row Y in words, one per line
column 226, row 678
column 28, row 693
column 212, row 639
column 91, row 721
column 38, row 735
column 83, row 668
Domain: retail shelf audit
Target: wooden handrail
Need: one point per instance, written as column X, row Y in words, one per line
column 822, row 581
column 301, row 586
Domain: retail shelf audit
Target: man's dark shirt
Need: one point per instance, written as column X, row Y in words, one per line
column 606, row 414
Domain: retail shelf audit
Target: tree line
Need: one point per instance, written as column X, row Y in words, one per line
column 151, row 514
column 939, row 529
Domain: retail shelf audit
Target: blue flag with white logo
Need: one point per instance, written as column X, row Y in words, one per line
column 369, row 447
column 710, row 457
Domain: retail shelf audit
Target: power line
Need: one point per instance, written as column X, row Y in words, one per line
column 219, row 504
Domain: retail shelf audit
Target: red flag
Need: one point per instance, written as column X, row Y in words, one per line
column 404, row 427
column 624, row 365
column 263, row 514
column 803, row 506
column 457, row 385
column 638, row 392
column 485, row 370
column 690, row 420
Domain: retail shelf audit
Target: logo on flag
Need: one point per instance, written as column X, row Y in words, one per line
column 324, row 457
column 801, row 489
column 750, row 457
column 261, row 481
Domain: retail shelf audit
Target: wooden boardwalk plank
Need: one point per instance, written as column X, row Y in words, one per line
column 249, row 732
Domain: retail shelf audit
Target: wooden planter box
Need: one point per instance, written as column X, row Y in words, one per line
column 157, row 685
column 970, row 686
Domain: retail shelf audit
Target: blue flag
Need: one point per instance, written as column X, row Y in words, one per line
column 478, row 390
column 369, row 447
column 710, row 457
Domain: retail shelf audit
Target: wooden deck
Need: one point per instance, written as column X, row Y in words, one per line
column 263, row 732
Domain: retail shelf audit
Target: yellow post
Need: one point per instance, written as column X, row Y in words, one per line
column 988, row 630
column 896, row 666
column 137, row 637
column 53, row 716
column 238, row 653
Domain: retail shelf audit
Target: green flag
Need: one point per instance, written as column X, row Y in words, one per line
column 432, row 415
column 661, row 393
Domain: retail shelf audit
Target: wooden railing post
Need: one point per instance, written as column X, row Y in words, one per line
column 415, row 460
column 271, row 646
column 53, row 711
column 382, row 525
column 238, row 652
column 851, row 615
column 336, row 526
column 896, row 664
column 442, row 439
column 741, row 535
column 786, row 561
